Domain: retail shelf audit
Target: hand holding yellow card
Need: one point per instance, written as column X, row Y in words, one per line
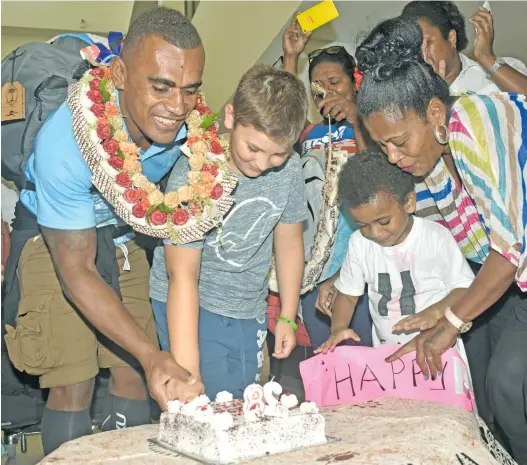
column 317, row 16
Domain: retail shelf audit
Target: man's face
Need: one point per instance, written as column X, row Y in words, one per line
column 253, row 152
column 158, row 85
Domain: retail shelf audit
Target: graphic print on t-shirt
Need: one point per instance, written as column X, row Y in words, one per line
column 406, row 300
column 244, row 230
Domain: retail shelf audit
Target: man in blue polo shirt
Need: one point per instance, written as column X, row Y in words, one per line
column 73, row 318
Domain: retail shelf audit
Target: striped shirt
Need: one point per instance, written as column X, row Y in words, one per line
column 488, row 142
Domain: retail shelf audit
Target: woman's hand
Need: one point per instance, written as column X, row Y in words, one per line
column 429, row 346
column 294, row 40
column 338, row 107
column 184, row 392
column 421, row 321
column 326, row 296
column 484, row 28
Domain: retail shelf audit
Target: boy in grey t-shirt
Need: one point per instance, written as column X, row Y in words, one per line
column 210, row 308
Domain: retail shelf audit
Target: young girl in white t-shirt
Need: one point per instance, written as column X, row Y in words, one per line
column 413, row 267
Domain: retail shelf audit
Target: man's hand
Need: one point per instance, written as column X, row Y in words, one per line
column 160, row 369
column 484, row 27
column 184, row 392
column 336, row 338
column 285, row 340
column 429, row 346
column 327, row 292
column 294, row 40
column 421, row 321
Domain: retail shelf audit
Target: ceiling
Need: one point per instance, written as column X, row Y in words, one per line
column 358, row 17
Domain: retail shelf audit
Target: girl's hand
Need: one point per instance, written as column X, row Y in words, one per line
column 484, row 27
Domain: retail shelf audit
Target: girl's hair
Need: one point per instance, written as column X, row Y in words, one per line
column 396, row 77
column 443, row 15
column 342, row 58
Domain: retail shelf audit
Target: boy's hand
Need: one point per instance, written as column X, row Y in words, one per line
column 336, row 338
column 184, row 392
column 327, row 293
column 421, row 321
column 285, row 340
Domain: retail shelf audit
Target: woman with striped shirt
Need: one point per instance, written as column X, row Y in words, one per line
column 471, row 152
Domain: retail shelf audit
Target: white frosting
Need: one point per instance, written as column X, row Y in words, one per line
column 289, row 400
column 174, row 406
column 223, row 396
column 204, row 413
column 308, row 407
column 222, row 421
column 278, row 410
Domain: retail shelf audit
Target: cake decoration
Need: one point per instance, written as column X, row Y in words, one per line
column 308, row 407
column 289, row 400
column 223, row 396
column 270, row 390
column 174, row 406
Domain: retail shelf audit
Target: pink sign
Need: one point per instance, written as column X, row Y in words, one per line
column 350, row 375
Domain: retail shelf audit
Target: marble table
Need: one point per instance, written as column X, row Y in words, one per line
column 387, row 432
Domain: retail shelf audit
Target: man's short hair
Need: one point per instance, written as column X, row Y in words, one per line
column 272, row 101
column 168, row 24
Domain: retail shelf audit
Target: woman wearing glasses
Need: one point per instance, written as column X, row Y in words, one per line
column 333, row 69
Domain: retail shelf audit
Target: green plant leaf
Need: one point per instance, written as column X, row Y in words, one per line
column 208, row 121
column 102, row 88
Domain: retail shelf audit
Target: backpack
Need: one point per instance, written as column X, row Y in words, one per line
column 45, row 70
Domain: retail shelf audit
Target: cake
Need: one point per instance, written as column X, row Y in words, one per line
column 228, row 430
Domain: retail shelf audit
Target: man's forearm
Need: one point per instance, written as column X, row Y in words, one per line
column 494, row 278
column 183, row 320
column 343, row 310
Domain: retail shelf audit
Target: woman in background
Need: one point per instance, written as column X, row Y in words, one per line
column 334, row 69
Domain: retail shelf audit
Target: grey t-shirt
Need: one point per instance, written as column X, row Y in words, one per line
column 234, row 266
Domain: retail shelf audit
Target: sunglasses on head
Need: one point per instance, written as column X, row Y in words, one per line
column 333, row 50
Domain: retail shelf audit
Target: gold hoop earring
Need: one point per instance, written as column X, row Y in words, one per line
column 443, row 140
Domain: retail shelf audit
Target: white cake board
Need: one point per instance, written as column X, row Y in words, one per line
column 160, row 447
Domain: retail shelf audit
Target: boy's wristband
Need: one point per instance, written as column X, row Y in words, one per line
column 288, row 321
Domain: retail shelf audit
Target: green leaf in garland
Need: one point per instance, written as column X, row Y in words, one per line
column 120, row 153
column 208, row 121
column 102, row 88
column 151, row 210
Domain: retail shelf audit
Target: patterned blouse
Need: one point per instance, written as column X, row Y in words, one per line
column 488, row 141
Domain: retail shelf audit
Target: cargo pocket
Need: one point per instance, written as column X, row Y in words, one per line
column 29, row 344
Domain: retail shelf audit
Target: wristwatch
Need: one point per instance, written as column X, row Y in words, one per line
column 458, row 323
column 497, row 65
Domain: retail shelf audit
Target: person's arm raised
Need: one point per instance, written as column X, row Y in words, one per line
column 73, row 253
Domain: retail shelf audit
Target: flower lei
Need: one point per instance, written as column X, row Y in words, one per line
column 184, row 215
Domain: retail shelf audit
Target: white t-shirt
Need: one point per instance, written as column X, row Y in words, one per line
column 474, row 78
column 404, row 279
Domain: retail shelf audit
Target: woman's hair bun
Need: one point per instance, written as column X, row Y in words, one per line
column 390, row 46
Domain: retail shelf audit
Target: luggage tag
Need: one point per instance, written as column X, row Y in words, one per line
column 13, row 101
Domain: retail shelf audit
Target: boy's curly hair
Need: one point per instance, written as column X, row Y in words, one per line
column 367, row 174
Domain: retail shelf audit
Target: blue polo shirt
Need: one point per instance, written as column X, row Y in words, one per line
column 62, row 178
